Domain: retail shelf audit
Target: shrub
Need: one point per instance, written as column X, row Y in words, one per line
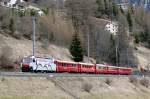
column 133, row 80
column 137, row 40
column 3, row 79
column 5, row 61
column 145, row 82
column 108, row 81
column 87, row 87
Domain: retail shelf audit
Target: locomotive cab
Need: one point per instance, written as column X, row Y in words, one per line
column 25, row 65
column 38, row 64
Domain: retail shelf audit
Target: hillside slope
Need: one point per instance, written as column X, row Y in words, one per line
column 143, row 56
column 21, row 48
column 71, row 88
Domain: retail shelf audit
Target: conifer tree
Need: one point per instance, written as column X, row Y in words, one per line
column 115, row 9
column 76, row 49
column 11, row 26
column 129, row 19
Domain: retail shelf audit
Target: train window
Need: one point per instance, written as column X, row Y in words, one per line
column 55, row 62
column 64, row 65
column 73, row 65
column 126, row 69
column 112, row 68
column 86, row 66
column 69, row 65
column 103, row 68
column 34, row 60
column 82, row 66
column 26, row 60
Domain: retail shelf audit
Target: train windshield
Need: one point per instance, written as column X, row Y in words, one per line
column 26, row 60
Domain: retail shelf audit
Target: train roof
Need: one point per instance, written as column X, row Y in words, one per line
column 112, row 66
column 31, row 56
column 86, row 63
column 100, row 65
column 66, row 62
column 74, row 62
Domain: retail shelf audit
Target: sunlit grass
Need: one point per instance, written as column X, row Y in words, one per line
column 27, row 97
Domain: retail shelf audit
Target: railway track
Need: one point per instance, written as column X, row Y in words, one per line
column 22, row 74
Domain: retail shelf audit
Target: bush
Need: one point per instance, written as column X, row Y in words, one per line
column 133, row 80
column 87, row 87
column 145, row 82
column 3, row 79
column 137, row 40
column 5, row 61
column 108, row 81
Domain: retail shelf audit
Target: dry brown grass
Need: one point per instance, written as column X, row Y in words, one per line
column 145, row 82
column 87, row 87
column 142, row 55
column 133, row 80
column 108, row 81
column 45, row 88
column 23, row 48
column 5, row 61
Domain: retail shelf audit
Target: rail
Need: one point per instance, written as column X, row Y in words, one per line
column 22, row 74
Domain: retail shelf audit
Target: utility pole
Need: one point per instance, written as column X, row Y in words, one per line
column 149, row 64
column 88, row 46
column 57, row 6
column 117, row 45
column 116, row 56
column 33, row 38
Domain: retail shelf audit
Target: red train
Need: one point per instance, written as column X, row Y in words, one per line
column 31, row 64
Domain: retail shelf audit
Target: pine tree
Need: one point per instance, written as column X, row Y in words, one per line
column 76, row 49
column 115, row 9
column 100, row 8
column 11, row 26
column 121, row 10
column 129, row 19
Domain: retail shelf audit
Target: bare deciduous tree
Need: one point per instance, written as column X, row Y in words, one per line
column 79, row 12
column 125, row 51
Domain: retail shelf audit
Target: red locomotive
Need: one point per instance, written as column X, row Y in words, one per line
column 32, row 64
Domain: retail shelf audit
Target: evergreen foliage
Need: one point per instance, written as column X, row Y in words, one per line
column 106, row 8
column 45, row 10
column 76, row 49
column 32, row 12
column 137, row 40
column 115, row 10
column 129, row 19
column 11, row 25
column 143, row 37
column 121, row 10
